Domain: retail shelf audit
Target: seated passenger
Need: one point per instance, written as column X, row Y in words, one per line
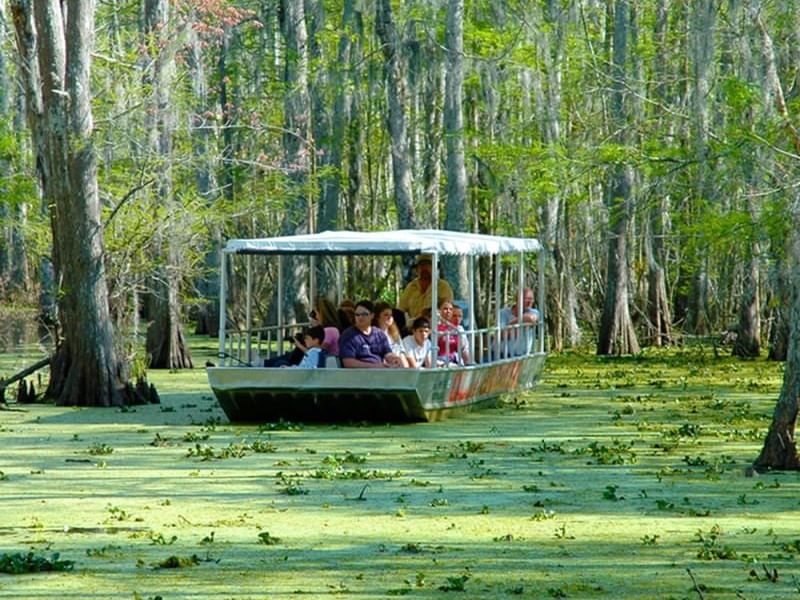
column 515, row 341
column 322, row 314
column 325, row 315
column 418, row 344
column 458, row 315
column 384, row 320
column 458, row 318
column 364, row 346
column 418, row 293
column 451, row 339
column 400, row 321
column 314, row 354
column 291, row 358
column 346, row 315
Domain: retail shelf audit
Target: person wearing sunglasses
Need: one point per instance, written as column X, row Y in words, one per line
column 364, row 346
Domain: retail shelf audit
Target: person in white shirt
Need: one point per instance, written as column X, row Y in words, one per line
column 519, row 341
column 418, row 344
column 312, row 339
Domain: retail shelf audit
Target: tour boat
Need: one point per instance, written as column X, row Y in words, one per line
column 249, row 392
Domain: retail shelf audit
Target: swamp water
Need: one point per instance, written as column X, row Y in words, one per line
column 618, row 478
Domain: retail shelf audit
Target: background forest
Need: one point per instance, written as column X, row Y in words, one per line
column 649, row 145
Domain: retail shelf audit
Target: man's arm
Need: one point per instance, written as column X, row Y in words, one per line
column 404, row 302
column 355, row 363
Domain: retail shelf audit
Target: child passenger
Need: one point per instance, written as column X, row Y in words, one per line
column 312, row 339
column 418, row 344
column 452, row 349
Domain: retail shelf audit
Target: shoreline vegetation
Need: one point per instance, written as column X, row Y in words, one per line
column 615, row 477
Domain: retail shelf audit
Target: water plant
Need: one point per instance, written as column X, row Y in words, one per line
column 711, row 547
column 18, row 563
column 268, row 540
column 177, row 562
column 456, row 584
column 99, row 449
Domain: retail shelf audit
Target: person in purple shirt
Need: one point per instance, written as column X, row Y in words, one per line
column 363, row 346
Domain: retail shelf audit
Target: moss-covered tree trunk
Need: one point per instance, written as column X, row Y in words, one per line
column 386, row 30
column 85, row 369
column 165, row 345
column 455, row 268
column 617, row 335
column 780, row 447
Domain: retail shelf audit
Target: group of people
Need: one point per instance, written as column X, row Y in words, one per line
column 374, row 335
column 376, row 340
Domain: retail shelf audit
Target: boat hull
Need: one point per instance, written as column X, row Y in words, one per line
column 252, row 394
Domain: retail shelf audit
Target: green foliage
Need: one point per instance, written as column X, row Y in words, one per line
column 610, row 493
column 619, row 453
column 100, row 449
column 456, row 584
column 739, row 95
column 268, row 540
column 19, row 563
column 232, row 450
column 178, row 562
column 711, row 546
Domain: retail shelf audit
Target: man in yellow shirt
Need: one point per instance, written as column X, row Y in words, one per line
column 417, row 295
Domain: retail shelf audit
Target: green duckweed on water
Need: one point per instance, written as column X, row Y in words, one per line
column 615, row 478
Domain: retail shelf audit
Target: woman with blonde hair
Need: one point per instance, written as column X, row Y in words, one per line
column 384, row 320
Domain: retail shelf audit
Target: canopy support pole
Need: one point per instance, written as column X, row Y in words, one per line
column 312, row 281
column 281, row 332
column 249, row 309
column 223, row 290
column 520, row 341
column 497, row 341
column 339, row 280
column 540, row 325
column 435, row 311
column 471, row 301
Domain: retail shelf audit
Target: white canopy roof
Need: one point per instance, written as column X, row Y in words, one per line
column 404, row 241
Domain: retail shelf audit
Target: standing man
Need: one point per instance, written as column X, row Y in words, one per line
column 417, row 295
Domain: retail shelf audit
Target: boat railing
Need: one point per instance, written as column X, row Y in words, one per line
column 252, row 347
column 499, row 343
column 486, row 344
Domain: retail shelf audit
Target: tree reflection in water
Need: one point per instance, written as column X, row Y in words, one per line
column 21, row 332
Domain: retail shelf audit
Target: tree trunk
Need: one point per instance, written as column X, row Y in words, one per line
column 330, row 132
column 297, row 117
column 780, row 448
column 85, row 369
column 208, row 282
column 432, row 118
column 702, row 48
column 748, row 331
column 658, row 310
column 396, row 98
column 556, row 232
column 227, row 178
column 781, row 306
column 455, row 268
column 165, row 344
column 617, row 335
